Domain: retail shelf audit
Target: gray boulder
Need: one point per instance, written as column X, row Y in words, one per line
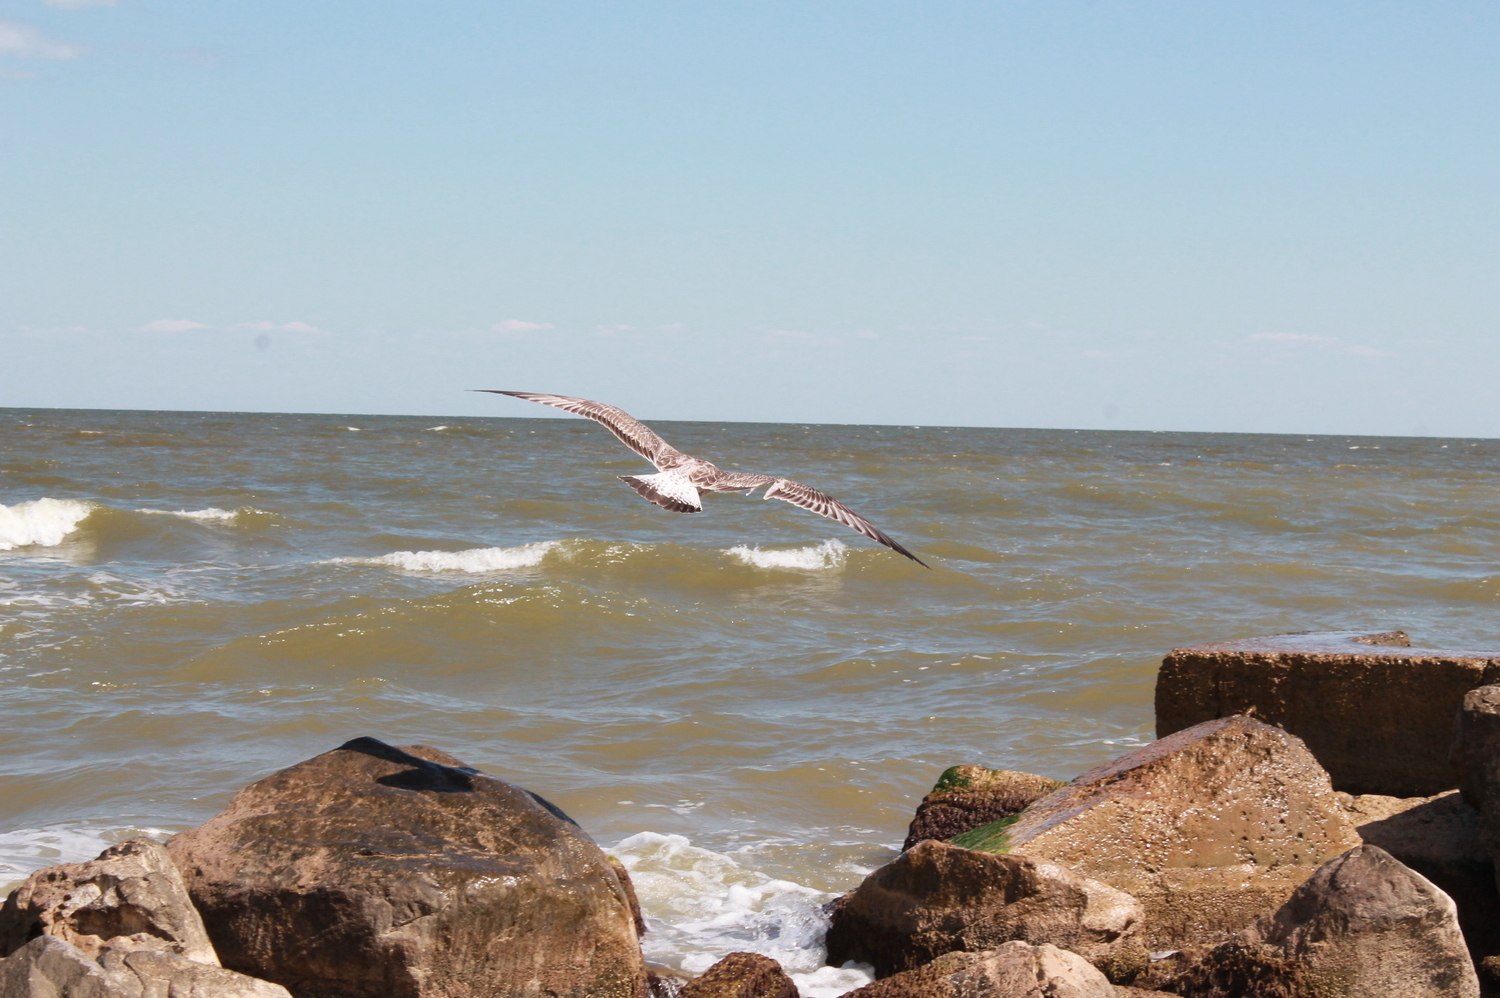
column 1210, row 828
column 377, row 872
column 1015, row 970
column 130, row 897
column 1363, row 926
column 49, row 967
column 939, row 898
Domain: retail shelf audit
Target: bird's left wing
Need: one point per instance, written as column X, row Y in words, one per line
column 631, row 431
column 823, row 504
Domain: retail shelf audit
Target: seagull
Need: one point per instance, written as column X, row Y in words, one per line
column 681, row 477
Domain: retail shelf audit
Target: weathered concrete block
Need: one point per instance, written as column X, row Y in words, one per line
column 1376, row 713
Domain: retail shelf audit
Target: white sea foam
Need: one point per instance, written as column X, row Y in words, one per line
column 831, row 554
column 702, row 905
column 474, row 560
column 41, row 522
column 212, row 513
column 438, row 429
column 28, row 849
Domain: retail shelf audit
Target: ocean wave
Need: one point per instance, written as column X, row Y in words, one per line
column 473, row 561
column 831, row 554
column 27, row 849
column 41, row 522
column 211, row 514
column 702, row 905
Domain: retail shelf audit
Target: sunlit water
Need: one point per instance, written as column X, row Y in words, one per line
column 745, row 705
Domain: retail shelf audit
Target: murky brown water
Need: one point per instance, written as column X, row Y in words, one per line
column 189, row 601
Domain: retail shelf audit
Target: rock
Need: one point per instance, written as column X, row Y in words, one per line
column 49, row 967
column 1363, row 926
column 1376, row 713
column 1015, row 970
column 1210, row 827
column 938, row 898
column 1438, row 837
column 130, row 897
column 664, row 985
column 390, row 873
column 966, row 797
column 742, row 975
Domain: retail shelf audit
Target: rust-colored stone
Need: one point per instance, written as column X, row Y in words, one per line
column 966, row 797
column 742, row 975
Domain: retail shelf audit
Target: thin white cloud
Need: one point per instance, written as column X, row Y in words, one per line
column 520, row 326
column 172, row 326
column 1331, row 342
column 1359, row 350
column 80, row 4
column 29, row 43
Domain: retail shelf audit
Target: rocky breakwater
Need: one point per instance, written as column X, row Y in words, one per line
column 366, row 872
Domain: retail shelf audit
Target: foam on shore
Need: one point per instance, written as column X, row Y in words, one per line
column 828, row 556
column 41, row 522
column 472, row 561
column 702, row 905
column 27, row 849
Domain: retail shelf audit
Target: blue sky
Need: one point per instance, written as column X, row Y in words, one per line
column 1187, row 216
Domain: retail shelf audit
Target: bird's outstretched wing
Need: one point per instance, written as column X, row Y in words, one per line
column 632, row 432
column 823, row 504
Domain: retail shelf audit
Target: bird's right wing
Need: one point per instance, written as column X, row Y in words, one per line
column 632, row 432
column 810, row 499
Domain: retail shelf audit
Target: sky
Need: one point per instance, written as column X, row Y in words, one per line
column 1253, row 217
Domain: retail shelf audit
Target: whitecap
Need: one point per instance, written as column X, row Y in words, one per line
column 212, row 513
column 41, row 522
column 474, row 560
column 438, row 429
column 27, row 849
column 830, row 554
column 702, row 905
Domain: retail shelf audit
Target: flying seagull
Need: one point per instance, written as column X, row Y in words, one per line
column 680, row 477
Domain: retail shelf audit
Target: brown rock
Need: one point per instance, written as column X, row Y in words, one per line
column 1015, row 970
column 130, row 898
column 742, row 975
column 938, row 898
column 1210, row 827
column 1377, row 714
column 389, row 873
column 966, row 797
column 1363, row 926
column 1438, row 837
column 49, row 967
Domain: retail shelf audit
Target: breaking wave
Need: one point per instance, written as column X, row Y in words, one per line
column 474, row 560
column 210, row 515
column 27, row 849
column 41, row 522
column 831, row 554
column 701, row 905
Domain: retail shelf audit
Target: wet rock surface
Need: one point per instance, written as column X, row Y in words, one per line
column 1376, row 713
column 401, row 873
column 966, row 797
column 938, row 898
column 129, row 898
column 1209, row 828
column 1015, row 970
column 742, row 975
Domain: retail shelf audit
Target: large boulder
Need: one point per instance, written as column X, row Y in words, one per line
column 966, row 797
column 742, row 975
column 1375, row 712
column 1210, row 827
column 1438, row 837
column 1363, row 926
column 49, row 967
column 130, row 898
column 939, row 898
column 377, row 872
column 1015, row 970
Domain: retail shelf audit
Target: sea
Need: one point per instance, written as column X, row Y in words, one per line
column 744, row 705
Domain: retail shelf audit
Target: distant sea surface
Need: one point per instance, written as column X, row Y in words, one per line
column 745, row 705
